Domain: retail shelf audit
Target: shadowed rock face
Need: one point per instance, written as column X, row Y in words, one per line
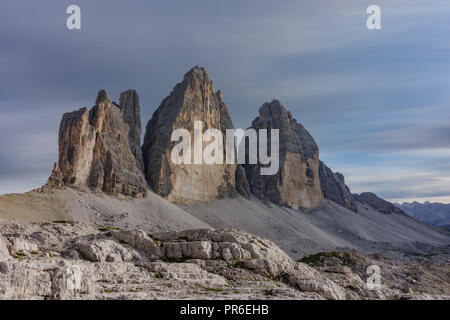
column 131, row 111
column 96, row 148
column 191, row 100
column 334, row 188
column 383, row 206
column 242, row 185
column 296, row 183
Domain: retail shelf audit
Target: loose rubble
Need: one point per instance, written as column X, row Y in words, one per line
column 75, row 260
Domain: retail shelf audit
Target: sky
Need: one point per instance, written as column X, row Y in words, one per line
column 376, row 101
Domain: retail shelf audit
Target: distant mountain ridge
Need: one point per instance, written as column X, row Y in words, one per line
column 436, row 214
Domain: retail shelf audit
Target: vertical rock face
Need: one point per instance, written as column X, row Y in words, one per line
column 296, row 183
column 191, row 100
column 334, row 188
column 131, row 111
column 242, row 185
column 95, row 149
column 76, row 147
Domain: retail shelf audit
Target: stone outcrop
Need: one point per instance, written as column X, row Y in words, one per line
column 381, row 205
column 296, row 183
column 99, row 149
column 75, row 260
column 334, row 188
column 191, row 100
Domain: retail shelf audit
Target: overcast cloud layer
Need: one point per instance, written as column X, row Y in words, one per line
column 377, row 102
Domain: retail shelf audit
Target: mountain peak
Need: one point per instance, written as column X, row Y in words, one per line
column 297, row 183
column 102, row 96
column 191, row 100
column 197, row 73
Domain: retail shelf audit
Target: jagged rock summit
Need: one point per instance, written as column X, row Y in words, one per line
column 194, row 99
column 99, row 148
column 334, row 188
column 297, row 183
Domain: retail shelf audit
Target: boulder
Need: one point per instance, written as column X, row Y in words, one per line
column 104, row 250
column 139, row 240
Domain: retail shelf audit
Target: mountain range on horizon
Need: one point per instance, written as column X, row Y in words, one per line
column 434, row 213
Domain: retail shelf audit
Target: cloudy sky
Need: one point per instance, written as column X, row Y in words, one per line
column 376, row 101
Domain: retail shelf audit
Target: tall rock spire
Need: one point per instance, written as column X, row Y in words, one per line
column 95, row 151
column 131, row 111
column 191, row 100
column 297, row 183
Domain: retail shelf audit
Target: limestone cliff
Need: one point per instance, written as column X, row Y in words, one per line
column 191, row 100
column 296, row 184
column 97, row 148
column 334, row 188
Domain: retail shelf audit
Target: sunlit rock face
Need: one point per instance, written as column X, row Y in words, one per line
column 191, row 100
column 98, row 148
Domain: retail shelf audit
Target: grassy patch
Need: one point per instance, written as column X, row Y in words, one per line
column 107, row 228
column 174, row 260
column 236, row 264
column 19, row 255
column 209, row 289
column 269, row 292
column 317, row 259
column 64, row 222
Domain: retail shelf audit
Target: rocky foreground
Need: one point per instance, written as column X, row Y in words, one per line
column 76, row 260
